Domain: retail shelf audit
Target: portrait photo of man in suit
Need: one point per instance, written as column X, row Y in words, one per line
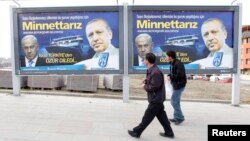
column 99, row 35
column 144, row 45
column 214, row 35
column 30, row 48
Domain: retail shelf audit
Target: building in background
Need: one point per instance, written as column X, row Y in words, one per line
column 245, row 52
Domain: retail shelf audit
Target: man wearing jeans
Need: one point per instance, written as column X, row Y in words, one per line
column 178, row 80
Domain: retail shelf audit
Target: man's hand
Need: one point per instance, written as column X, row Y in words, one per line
column 168, row 78
column 142, row 84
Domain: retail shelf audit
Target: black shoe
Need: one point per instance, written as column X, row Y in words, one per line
column 133, row 134
column 178, row 122
column 169, row 135
column 173, row 120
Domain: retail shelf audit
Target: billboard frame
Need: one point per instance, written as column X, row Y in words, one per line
column 234, row 9
column 17, row 11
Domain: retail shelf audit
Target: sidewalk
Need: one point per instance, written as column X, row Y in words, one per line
column 64, row 118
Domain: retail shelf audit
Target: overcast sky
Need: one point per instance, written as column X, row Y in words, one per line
column 5, row 38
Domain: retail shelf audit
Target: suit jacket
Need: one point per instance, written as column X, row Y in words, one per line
column 225, row 49
column 225, row 62
column 136, row 61
column 40, row 62
column 157, row 60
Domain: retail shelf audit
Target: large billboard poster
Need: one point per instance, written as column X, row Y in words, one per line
column 202, row 40
column 82, row 42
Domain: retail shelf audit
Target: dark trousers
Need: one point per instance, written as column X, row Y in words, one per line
column 154, row 110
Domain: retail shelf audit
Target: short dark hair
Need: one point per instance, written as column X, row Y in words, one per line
column 171, row 54
column 150, row 57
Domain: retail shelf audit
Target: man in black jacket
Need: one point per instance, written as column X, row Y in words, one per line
column 178, row 80
column 155, row 88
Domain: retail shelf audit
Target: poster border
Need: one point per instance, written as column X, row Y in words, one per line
column 17, row 11
column 234, row 9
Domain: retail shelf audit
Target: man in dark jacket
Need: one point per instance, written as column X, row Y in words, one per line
column 155, row 88
column 178, row 80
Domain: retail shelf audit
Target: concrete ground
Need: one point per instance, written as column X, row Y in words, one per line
column 64, row 118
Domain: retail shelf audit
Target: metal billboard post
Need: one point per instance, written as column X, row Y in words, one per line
column 15, row 78
column 125, row 76
column 235, row 101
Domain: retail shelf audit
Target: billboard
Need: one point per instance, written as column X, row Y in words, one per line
column 205, row 38
column 68, row 40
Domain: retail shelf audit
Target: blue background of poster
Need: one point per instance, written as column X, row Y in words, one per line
column 44, row 38
column 160, row 37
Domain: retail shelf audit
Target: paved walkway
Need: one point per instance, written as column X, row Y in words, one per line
column 64, row 118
